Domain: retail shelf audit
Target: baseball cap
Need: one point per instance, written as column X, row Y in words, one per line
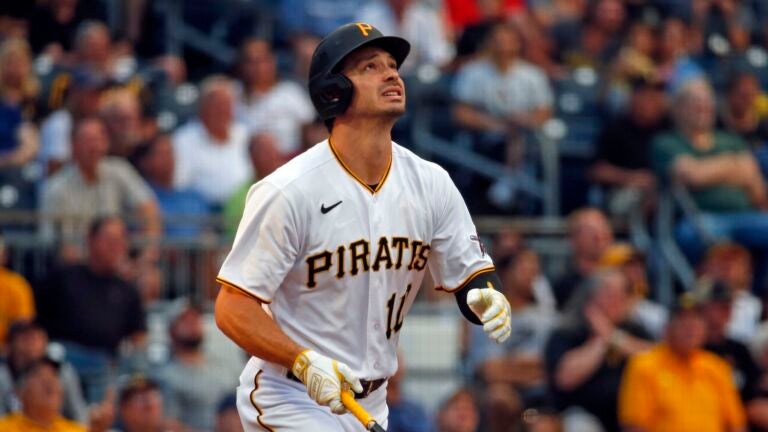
column 685, row 302
column 619, row 254
column 712, row 290
column 134, row 384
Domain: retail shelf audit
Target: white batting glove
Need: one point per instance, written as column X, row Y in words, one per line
column 324, row 378
column 493, row 310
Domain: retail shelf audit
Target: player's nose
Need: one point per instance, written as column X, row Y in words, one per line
column 392, row 74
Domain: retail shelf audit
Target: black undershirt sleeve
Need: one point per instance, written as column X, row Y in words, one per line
column 483, row 280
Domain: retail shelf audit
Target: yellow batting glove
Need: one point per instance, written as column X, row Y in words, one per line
column 493, row 310
column 323, row 378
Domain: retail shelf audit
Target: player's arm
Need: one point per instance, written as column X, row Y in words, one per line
column 482, row 304
column 238, row 314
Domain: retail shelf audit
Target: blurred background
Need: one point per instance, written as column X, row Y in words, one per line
column 613, row 154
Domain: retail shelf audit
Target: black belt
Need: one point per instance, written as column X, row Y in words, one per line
column 368, row 386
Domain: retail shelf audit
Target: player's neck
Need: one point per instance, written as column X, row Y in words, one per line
column 366, row 151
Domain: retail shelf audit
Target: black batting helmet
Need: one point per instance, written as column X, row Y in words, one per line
column 331, row 92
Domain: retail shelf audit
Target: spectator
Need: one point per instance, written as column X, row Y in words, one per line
column 302, row 48
column 267, row 103
column 595, row 41
column 121, row 111
column 96, row 52
column 498, row 97
column 227, row 418
column 111, row 62
column 731, row 264
column 723, row 177
column 462, row 13
column 739, row 115
column 757, row 408
column 14, row 19
column 405, row 415
column 643, row 311
column 317, row 17
column 91, row 309
column 716, row 299
column 513, row 373
column 585, row 356
column 53, row 25
column 589, row 234
column 16, row 299
column 265, row 158
column 675, row 66
column 94, row 185
column 157, row 163
column 41, row 396
column 622, row 163
column 418, row 23
column 82, row 100
column 635, row 60
column 18, row 90
column 28, row 343
column 141, row 407
column 203, row 147
column 195, row 383
column 509, row 242
column 458, row 413
column 677, row 386
column 501, row 93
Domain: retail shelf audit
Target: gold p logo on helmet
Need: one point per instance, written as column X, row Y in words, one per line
column 364, row 28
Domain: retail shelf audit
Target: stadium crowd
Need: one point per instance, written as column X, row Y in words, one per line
column 123, row 131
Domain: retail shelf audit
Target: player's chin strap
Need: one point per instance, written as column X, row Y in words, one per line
column 483, row 280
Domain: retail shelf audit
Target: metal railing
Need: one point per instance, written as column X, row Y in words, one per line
column 189, row 265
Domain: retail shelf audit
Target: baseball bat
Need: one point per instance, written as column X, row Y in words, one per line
column 348, row 399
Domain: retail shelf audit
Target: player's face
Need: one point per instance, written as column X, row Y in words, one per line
column 379, row 90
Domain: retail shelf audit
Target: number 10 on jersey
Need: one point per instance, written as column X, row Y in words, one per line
column 398, row 324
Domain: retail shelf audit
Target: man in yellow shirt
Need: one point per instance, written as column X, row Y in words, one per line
column 677, row 386
column 41, row 397
column 16, row 301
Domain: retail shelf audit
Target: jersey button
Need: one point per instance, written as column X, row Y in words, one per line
column 376, row 326
column 376, row 365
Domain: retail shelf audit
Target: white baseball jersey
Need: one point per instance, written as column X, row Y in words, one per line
column 340, row 262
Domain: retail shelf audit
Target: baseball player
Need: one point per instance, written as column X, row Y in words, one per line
column 337, row 242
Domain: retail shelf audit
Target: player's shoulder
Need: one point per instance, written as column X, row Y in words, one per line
column 419, row 165
column 301, row 167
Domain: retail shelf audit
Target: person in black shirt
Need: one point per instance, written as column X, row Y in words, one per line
column 589, row 235
column 585, row 357
column 623, row 160
column 53, row 24
column 739, row 115
column 91, row 309
column 716, row 300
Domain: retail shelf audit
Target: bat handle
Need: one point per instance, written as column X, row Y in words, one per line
column 348, row 399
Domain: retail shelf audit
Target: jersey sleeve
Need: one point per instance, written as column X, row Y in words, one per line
column 457, row 253
column 266, row 244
